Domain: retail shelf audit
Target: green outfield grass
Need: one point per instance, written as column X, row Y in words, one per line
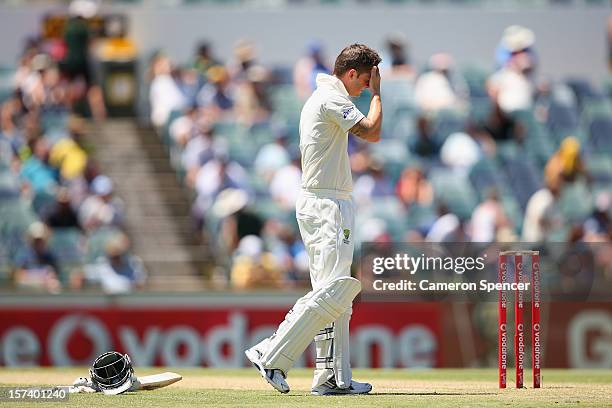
column 392, row 388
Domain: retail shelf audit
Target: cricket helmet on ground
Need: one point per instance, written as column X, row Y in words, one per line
column 112, row 372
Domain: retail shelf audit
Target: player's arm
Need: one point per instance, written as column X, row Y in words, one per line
column 369, row 127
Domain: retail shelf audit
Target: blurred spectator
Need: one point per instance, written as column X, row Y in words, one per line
column 286, row 184
column 436, row 89
column 237, row 221
column 373, row 184
column 204, row 58
column 101, row 208
column 489, row 219
column 510, row 88
column 218, row 94
column 118, row 271
column 413, row 188
column 252, row 104
column 307, row 68
column 244, row 58
column 76, row 65
column 598, row 227
column 80, row 186
column 515, row 39
column 565, row 165
column 460, row 151
column 68, row 153
column 424, row 143
column 215, row 176
column 446, row 227
column 253, row 267
column 62, row 214
column 36, row 170
column 183, row 128
column 165, row 95
column 396, row 60
column 36, row 264
column 10, row 113
column 272, row 156
column 542, row 215
column 200, row 149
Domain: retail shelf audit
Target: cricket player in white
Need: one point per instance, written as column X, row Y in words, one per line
column 325, row 215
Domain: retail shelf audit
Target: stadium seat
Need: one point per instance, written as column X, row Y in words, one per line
column 67, row 244
column 454, row 189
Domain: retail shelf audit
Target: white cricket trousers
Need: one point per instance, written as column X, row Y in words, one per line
column 326, row 220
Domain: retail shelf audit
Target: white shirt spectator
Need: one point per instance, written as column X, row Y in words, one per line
column 443, row 227
column 165, row 96
column 285, row 186
column 271, row 158
column 433, row 92
column 541, row 216
column 211, row 179
column 513, row 89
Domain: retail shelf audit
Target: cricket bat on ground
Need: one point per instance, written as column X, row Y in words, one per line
column 152, row 382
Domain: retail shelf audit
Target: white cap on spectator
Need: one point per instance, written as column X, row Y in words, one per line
column 83, row 8
column 460, row 150
column 229, row 201
column 517, row 38
column 102, row 185
column 251, row 246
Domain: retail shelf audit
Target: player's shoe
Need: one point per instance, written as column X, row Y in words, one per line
column 331, row 388
column 274, row 377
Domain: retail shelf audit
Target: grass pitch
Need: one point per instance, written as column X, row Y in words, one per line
column 392, row 388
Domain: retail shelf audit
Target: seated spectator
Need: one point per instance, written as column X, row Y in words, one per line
column 446, row 228
column 307, row 68
column 36, row 265
column 165, row 95
column 201, row 148
column 253, row 105
column 542, row 215
column 204, row 58
column 435, row 89
column 118, row 271
column 396, row 60
column 68, row 154
column 101, row 208
column 373, row 184
column 215, row 176
column 183, row 129
column 515, row 39
column 598, row 227
column 460, row 151
column 10, row 112
column 286, row 184
column 272, row 156
column 413, row 188
column 510, row 88
column 489, row 219
column 565, row 165
column 424, row 143
column 237, row 220
column 253, row 267
column 63, row 215
column 36, row 170
column 218, row 94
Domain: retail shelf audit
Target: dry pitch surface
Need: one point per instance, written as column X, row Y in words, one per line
column 392, row 388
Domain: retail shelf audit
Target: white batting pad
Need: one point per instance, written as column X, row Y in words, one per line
column 310, row 313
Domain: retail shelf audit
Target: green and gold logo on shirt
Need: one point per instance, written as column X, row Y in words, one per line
column 347, row 234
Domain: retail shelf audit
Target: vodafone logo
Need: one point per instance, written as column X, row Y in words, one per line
column 502, row 327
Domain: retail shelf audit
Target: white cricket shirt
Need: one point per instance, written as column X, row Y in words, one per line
column 325, row 121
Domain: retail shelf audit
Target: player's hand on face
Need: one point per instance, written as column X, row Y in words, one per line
column 375, row 81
